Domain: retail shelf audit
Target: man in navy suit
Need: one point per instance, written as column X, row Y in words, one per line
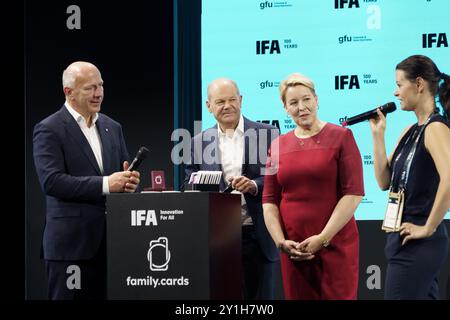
column 80, row 156
column 237, row 142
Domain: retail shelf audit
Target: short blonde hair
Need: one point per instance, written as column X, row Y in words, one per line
column 293, row 80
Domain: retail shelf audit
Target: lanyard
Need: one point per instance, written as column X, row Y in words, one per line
column 407, row 165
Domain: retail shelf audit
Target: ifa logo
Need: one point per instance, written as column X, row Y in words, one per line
column 143, row 217
column 437, row 40
column 342, row 82
column 268, row 46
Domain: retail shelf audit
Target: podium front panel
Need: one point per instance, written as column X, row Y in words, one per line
column 158, row 245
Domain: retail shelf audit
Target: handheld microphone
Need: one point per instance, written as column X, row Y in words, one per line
column 140, row 156
column 228, row 189
column 385, row 108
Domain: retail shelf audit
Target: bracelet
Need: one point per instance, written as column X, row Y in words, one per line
column 325, row 242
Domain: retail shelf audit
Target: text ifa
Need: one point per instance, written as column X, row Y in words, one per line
column 340, row 4
column 143, row 217
column 440, row 39
column 341, row 82
column 273, row 46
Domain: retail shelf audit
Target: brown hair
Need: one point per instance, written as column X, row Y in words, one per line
column 421, row 66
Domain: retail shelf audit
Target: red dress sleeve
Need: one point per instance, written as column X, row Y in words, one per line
column 350, row 167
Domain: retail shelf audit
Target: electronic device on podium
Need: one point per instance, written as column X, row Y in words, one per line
column 204, row 181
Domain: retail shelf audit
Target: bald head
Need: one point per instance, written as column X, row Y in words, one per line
column 83, row 88
column 221, row 82
column 75, row 71
column 224, row 102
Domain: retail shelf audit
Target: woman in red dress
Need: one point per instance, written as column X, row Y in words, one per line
column 309, row 199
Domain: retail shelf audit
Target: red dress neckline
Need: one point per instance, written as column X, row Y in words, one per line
column 314, row 135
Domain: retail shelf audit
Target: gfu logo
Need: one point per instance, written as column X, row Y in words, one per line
column 344, row 39
column 266, row 4
column 158, row 254
column 268, row 84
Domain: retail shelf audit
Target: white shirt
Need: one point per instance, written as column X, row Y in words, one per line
column 93, row 138
column 231, row 149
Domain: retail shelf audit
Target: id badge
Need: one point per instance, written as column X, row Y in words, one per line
column 394, row 211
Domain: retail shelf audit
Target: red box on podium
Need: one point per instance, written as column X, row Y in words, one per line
column 158, row 181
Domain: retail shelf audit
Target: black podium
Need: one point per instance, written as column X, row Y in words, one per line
column 174, row 245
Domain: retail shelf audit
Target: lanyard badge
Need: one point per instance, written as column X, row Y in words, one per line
column 394, row 212
column 396, row 200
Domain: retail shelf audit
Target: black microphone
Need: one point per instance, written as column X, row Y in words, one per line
column 140, row 156
column 385, row 108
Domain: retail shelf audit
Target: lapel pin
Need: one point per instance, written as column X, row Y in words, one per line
column 106, row 129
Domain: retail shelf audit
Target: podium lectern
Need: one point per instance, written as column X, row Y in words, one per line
column 174, row 245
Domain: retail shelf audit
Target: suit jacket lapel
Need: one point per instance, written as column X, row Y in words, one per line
column 246, row 149
column 74, row 130
column 105, row 137
column 214, row 143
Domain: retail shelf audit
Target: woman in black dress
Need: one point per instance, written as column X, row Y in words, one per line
column 420, row 168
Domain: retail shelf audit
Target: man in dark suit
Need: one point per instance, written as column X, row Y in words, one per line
column 233, row 147
column 80, row 156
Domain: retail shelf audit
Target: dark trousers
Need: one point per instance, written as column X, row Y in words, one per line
column 64, row 275
column 413, row 269
column 258, row 272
